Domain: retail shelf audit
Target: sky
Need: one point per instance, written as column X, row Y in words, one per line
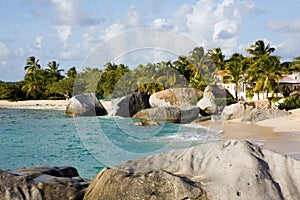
column 69, row 31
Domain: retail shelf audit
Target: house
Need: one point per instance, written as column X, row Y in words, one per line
column 290, row 82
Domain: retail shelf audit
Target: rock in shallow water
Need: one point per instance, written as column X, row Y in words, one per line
column 128, row 105
column 180, row 114
column 220, row 170
column 42, row 182
column 85, row 105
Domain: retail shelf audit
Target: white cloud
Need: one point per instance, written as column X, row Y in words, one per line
column 180, row 17
column 70, row 13
column 39, row 42
column 67, row 10
column 162, row 23
column 4, row 51
column 113, row 30
column 215, row 23
column 64, row 33
column 134, row 19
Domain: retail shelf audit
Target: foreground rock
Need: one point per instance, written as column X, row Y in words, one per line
column 127, row 106
column 220, row 170
column 85, row 105
column 43, row 182
column 182, row 114
column 175, row 97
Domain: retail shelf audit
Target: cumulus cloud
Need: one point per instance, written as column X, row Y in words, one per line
column 113, row 30
column 214, row 23
column 64, row 33
column 162, row 23
column 134, row 18
column 70, row 14
column 4, row 51
column 180, row 17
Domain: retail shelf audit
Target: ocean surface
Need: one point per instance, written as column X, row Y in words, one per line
column 31, row 137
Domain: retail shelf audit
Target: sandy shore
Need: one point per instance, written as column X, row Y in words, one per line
column 35, row 104
column 280, row 134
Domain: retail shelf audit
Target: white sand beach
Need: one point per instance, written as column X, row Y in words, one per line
column 281, row 134
column 35, row 104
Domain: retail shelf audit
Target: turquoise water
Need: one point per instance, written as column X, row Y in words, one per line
column 47, row 137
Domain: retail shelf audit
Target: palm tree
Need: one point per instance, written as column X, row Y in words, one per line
column 218, row 57
column 295, row 65
column 35, row 84
column 266, row 73
column 202, row 65
column 234, row 71
column 32, row 64
column 71, row 73
column 259, row 49
column 53, row 67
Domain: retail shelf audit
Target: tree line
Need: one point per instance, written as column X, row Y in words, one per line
column 261, row 70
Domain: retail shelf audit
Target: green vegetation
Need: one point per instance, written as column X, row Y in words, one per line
column 290, row 103
column 260, row 71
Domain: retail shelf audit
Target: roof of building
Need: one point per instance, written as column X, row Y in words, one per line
column 289, row 80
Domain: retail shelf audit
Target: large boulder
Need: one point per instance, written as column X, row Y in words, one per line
column 117, row 184
column 207, row 105
column 181, row 114
column 220, row 170
column 175, row 97
column 42, row 182
column 128, row 105
column 255, row 115
column 233, row 111
column 85, row 105
column 215, row 91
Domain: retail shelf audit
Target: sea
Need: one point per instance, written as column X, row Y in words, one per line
column 33, row 137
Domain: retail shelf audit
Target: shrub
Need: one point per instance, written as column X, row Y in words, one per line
column 290, row 103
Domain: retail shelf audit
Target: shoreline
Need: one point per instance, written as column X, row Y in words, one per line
column 35, row 104
column 281, row 134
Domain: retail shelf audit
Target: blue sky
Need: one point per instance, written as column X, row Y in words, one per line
column 68, row 30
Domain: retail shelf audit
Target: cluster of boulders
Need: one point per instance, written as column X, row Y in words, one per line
column 42, row 182
column 253, row 111
column 220, row 170
column 178, row 105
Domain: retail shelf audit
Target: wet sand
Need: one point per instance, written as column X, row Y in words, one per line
column 280, row 134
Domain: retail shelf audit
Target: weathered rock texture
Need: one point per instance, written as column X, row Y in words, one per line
column 127, row 106
column 43, row 182
column 220, row 170
column 207, row 104
column 85, row 105
column 251, row 112
column 175, row 97
column 181, row 114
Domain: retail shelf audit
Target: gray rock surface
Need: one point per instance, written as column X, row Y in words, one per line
column 256, row 115
column 207, row 105
column 175, row 97
column 128, row 105
column 85, row 105
column 117, row 184
column 219, row 170
column 42, row 182
column 181, row 114
column 233, row 111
